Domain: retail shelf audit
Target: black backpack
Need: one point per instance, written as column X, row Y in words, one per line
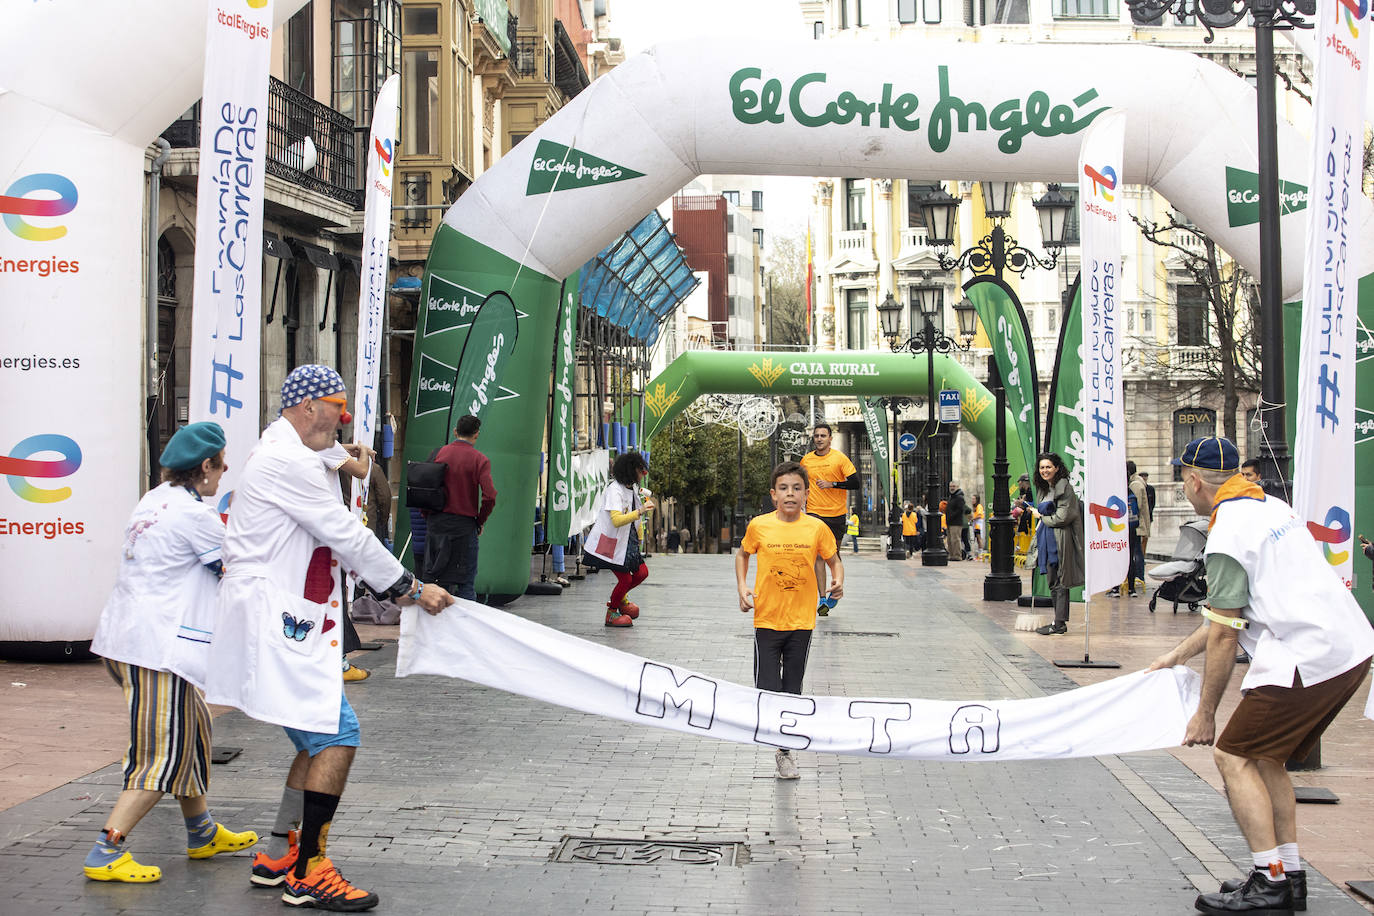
column 425, row 484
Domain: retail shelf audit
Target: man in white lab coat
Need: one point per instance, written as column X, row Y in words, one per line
column 277, row 649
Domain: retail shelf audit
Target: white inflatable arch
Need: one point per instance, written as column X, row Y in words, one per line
column 912, row 110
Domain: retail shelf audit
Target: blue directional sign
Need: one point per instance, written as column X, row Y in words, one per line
column 907, row 442
column 949, row 405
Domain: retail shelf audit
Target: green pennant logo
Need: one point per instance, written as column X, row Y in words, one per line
column 561, row 168
column 1242, row 197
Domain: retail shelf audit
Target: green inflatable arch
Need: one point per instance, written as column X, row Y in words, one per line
column 855, row 373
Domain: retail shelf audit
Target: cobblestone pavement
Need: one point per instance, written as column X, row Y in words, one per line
column 462, row 796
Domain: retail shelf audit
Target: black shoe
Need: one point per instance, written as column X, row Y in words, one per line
column 1243, row 658
column 1258, row 896
column 1052, row 629
column 1114, row 592
column 1298, row 879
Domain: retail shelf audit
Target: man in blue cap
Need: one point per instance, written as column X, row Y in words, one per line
column 1269, row 588
column 276, row 652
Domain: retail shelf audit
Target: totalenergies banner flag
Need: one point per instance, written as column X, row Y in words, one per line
column 1324, row 443
column 381, row 153
column 559, row 498
column 1100, row 171
column 227, row 298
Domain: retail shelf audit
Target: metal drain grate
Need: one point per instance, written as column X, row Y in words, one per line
column 601, row 851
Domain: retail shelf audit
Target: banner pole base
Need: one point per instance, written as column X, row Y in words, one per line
column 1085, row 663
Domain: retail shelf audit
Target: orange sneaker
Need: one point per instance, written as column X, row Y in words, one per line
column 270, row 872
column 325, row 889
column 630, row 608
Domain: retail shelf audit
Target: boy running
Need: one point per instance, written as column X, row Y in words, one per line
column 788, row 543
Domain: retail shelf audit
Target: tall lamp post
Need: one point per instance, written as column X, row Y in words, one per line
column 995, row 253
column 930, row 341
column 1268, row 15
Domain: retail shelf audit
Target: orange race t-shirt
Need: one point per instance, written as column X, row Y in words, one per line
column 785, row 592
column 835, row 467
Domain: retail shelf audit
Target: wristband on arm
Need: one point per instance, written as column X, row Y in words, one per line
column 1236, row 623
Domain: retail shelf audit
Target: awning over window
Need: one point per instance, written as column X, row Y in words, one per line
column 637, row 280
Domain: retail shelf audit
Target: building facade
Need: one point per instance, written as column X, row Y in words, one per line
column 870, row 242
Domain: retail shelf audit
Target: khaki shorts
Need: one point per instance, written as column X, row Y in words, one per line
column 1284, row 723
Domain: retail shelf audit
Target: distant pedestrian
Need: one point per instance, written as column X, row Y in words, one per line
column 1250, row 470
column 831, row 473
column 910, row 525
column 785, row 596
column 852, row 529
column 978, row 515
column 613, row 542
column 1368, row 549
column 1059, row 537
column 954, row 522
column 1270, row 589
column 451, row 543
column 1138, row 526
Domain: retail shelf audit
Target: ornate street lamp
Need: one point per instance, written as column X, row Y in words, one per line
column 890, row 319
column 996, row 251
column 997, row 198
column 930, row 341
column 1268, row 15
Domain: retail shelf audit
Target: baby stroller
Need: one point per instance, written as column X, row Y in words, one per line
column 1183, row 579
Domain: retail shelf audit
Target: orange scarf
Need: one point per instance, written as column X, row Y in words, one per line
column 1235, row 488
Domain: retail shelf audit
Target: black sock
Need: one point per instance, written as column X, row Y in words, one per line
column 318, row 812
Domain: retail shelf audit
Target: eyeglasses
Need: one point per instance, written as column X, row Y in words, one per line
column 344, row 416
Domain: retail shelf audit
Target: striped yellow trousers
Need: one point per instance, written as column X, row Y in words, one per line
column 169, row 732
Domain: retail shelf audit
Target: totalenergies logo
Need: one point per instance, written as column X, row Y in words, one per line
column 1103, row 182
column 15, row 204
column 384, row 153
column 1334, row 533
column 1354, row 11
column 20, row 465
column 1112, row 513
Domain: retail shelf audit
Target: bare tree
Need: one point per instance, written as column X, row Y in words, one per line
column 786, row 281
column 1231, row 352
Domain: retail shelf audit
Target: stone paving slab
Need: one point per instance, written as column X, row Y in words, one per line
column 461, row 795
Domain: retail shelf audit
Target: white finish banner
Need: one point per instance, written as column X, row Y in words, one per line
column 1135, row 712
column 227, row 299
column 1324, row 441
column 1105, row 520
column 381, row 151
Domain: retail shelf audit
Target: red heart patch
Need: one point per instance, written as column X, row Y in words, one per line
column 328, row 625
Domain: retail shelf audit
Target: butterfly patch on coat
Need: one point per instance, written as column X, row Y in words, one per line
column 295, row 629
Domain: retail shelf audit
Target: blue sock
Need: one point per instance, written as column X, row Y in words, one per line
column 104, row 852
column 200, row 830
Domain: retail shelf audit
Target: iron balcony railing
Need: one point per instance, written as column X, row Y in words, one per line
column 291, row 117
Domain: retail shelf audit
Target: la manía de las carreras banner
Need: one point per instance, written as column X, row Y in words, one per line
column 1134, row 712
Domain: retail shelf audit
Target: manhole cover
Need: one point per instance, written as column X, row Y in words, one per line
column 591, row 851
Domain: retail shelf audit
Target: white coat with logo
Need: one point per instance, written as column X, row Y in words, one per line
column 278, row 643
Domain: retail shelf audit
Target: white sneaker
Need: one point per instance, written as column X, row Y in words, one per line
column 787, row 767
